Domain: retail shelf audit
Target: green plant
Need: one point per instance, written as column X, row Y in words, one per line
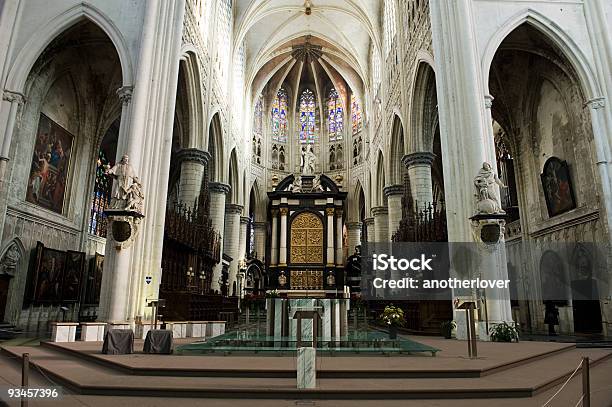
column 272, row 294
column 503, row 332
column 446, row 328
column 393, row 316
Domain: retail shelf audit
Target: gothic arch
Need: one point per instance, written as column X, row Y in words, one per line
column 191, row 73
column 233, row 178
column 380, row 198
column 397, row 152
column 215, row 148
column 423, row 111
column 41, row 39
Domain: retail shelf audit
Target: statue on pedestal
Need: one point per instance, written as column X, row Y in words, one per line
column 487, row 202
column 127, row 194
column 308, row 161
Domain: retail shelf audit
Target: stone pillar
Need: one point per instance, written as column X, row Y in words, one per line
column 330, row 236
column 231, row 246
column 193, row 162
column 354, row 236
column 419, row 172
column 282, row 256
column 260, row 239
column 381, row 224
column 369, row 223
column 218, row 191
column 243, row 249
column 274, row 243
column 394, row 195
column 339, row 232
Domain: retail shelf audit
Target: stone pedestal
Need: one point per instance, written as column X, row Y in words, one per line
column 178, row 328
column 63, row 331
column 306, row 368
column 215, row 328
column 196, row 329
column 92, row 331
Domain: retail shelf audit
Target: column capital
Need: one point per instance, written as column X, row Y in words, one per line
column 259, row 225
column 339, row 213
column 488, row 101
column 379, row 210
column 193, row 155
column 354, row 225
column 219, row 188
column 369, row 221
column 329, row 211
column 396, row 189
column 244, row 220
column 125, row 94
column 284, row 211
column 233, row 208
column 418, row 158
column 596, row 103
column 12, row 96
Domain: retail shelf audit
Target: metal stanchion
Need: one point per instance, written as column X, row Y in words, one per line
column 25, row 374
column 586, row 385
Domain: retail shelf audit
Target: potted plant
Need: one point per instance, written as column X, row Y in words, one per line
column 393, row 317
column 446, row 328
column 503, row 332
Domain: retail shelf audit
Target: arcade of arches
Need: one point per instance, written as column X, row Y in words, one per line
column 272, row 139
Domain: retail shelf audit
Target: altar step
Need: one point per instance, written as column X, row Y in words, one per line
column 523, row 379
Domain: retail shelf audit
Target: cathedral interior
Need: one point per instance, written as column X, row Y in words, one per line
column 202, row 155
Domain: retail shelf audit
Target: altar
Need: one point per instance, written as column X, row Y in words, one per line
column 306, row 257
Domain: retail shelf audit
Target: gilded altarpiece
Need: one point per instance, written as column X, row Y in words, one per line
column 307, row 239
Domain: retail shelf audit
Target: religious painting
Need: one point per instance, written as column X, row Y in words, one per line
column 94, row 280
column 73, row 272
column 48, row 276
column 50, row 165
column 557, row 186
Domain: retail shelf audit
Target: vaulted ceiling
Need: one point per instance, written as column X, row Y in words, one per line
column 272, row 29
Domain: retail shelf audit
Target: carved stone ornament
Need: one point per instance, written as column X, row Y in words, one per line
column 127, row 204
column 282, row 279
column 10, row 259
column 487, row 202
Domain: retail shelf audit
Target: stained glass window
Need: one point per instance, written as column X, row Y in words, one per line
column 335, row 116
column 102, row 195
column 279, row 116
column 307, row 117
column 355, row 115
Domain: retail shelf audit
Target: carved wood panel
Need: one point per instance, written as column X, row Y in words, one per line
column 307, row 239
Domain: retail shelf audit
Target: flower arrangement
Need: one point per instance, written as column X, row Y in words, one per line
column 272, row 294
column 503, row 332
column 393, row 316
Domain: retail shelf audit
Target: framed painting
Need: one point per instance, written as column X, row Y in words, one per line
column 49, row 276
column 94, row 280
column 73, row 275
column 50, row 165
column 557, row 185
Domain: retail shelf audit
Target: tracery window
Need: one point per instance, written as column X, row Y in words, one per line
column 307, row 117
column 257, row 129
column 101, row 197
column 356, row 115
column 335, row 116
column 279, row 116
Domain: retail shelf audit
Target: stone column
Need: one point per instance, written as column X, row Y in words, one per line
column 231, row 246
column 243, row 250
column 339, row 232
column 218, row 191
column 260, row 239
column 354, row 236
column 282, row 256
column 369, row 223
column 330, row 236
column 419, row 172
column 193, row 162
column 274, row 243
column 381, row 224
column 394, row 195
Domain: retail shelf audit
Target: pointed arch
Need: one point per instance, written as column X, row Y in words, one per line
column 40, row 40
column 215, row 148
column 233, row 178
column 190, row 70
column 379, row 196
column 397, row 152
column 424, row 109
column 556, row 35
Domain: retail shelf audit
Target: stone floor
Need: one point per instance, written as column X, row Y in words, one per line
column 499, row 365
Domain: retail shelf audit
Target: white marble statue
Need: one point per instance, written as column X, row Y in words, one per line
column 308, row 161
column 487, row 201
column 296, row 186
column 127, row 194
